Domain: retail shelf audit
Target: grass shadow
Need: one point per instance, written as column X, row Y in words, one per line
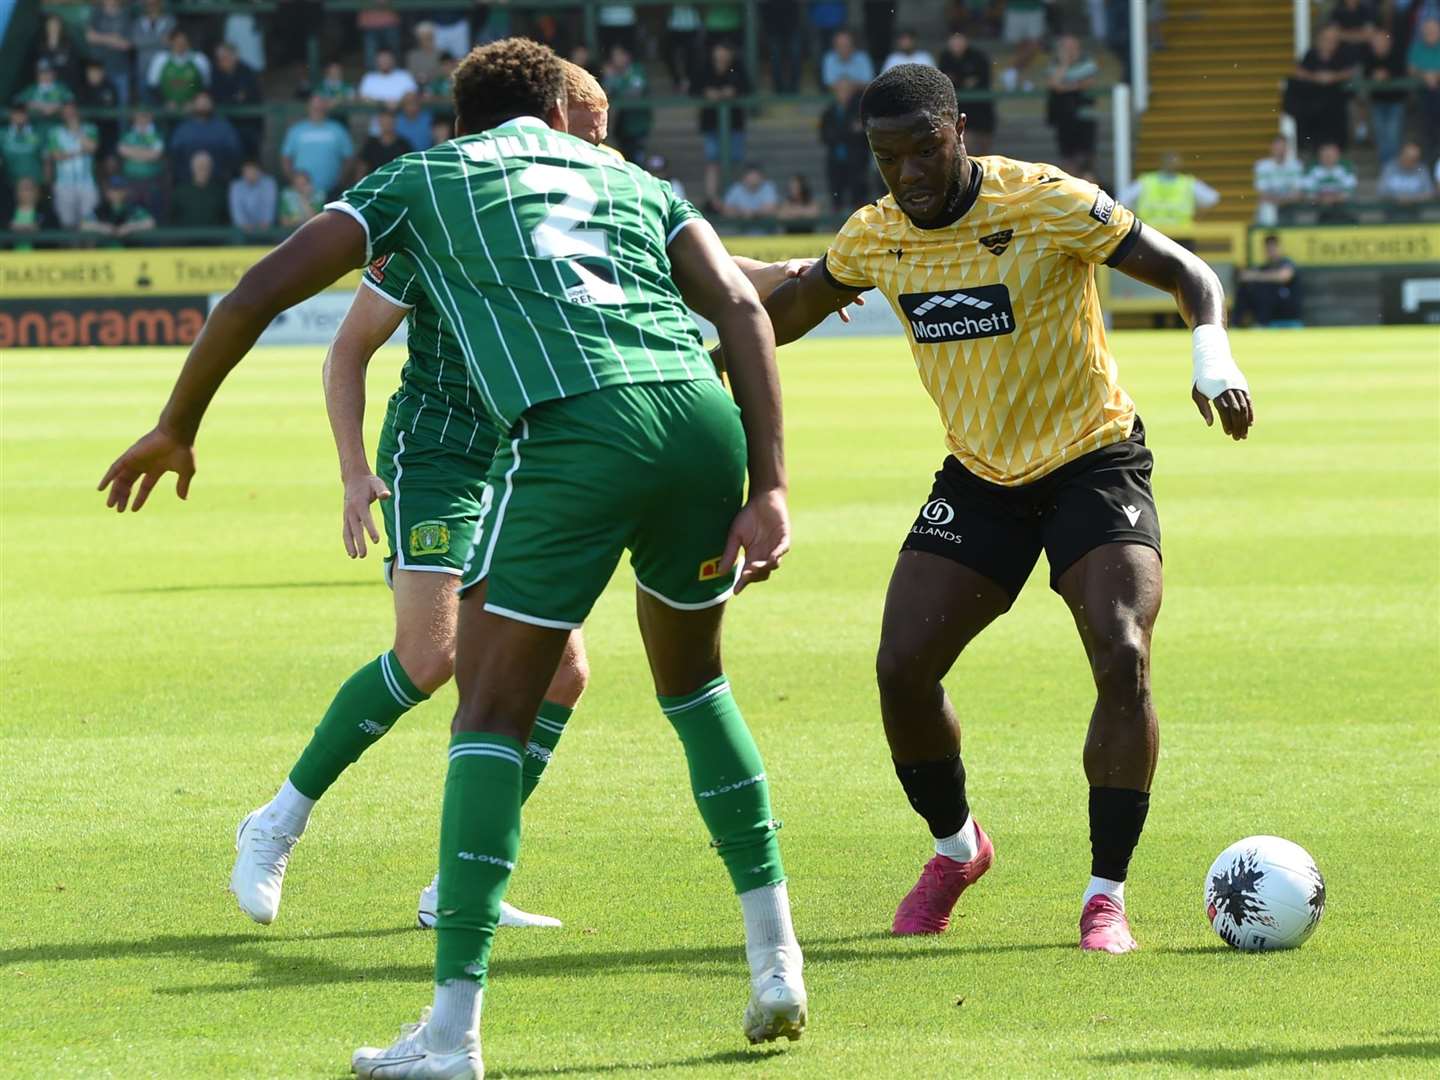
column 1225, row 1059
column 758, row 1056
column 274, row 963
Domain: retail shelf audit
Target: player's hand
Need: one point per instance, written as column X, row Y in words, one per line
column 148, row 460
column 360, row 492
column 762, row 528
column 1237, row 412
column 795, row 267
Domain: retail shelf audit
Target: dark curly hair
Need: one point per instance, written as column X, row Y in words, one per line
column 505, row 79
column 910, row 88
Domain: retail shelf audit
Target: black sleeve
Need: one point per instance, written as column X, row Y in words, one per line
column 1125, row 246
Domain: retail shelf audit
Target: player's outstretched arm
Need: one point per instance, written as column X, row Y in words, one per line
column 1157, row 260
column 800, row 304
column 713, row 286
column 318, row 253
column 366, row 326
column 767, row 277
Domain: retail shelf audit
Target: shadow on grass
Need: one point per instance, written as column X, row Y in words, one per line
column 220, row 586
column 275, row 963
column 721, row 1057
column 1254, row 1057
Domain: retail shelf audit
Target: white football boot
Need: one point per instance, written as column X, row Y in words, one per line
column 261, row 855
column 778, row 1006
column 509, row 915
column 411, row 1058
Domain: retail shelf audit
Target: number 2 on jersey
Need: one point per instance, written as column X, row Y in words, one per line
column 561, row 236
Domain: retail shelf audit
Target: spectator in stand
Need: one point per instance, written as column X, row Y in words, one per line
column 1424, row 63
column 1330, row 183
column 45, row 97
column 180, row 73
column 58, row 50
column 828, row 18
column 1387, row 104
column 385, row 145
column 1406, row 180
column 1356, row 20
column 1070, row 106
column 379, row 27
column 452, row 29
column 444, row 82
column 98, row 92
column 142, row 159
column 969, row 69
column 615, row 25
column 847, row 151
column 150, row 34
column 317, row 146
column 907, row 51
column 657, row 166
column 387, row 84
column 117, row 217
column 579, row 55
column 752, row 196
column 1269, row 293
column 721, row 80
column 423, row 61
column 1167, row 197
column 624, row 81
column 441, row 130
column 252, row 198
column 332, row 85
column 1279, row 181
column 414, row 122
column 800, row 208
column 682, row 44
column 300, row 201
column 30, row 215
column 200, row 202
column 22, row 148
column 783, row 21
column 1024, row 31
column 203, row 130
column 235, row 82
column 843, row 61
column 878, row 17
column 243, row 34
column 70, row 146
column 108, row 37
column 1316, row 96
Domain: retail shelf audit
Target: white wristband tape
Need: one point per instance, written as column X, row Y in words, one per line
column 1215, row 368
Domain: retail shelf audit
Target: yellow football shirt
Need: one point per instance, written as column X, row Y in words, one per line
column 1003, row 315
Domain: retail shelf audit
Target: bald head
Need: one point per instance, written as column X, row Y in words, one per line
column 589, row 108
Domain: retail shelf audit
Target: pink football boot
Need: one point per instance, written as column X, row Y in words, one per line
column 926, row 908
column 1104, row 928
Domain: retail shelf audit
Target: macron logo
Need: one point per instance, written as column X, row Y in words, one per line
column 1132, row 514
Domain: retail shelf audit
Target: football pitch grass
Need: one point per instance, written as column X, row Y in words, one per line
column 161, row 672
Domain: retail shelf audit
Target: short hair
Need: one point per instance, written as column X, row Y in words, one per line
column 582, row 89
column 910, row 88
column 1271, row 238
column 505, row 79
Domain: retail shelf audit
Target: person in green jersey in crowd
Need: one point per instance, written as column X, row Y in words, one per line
column 565, row 275
column 22, row 148
column 436, row 446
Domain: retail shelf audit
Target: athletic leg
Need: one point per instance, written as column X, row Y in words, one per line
column 727, row 778
column 933, row 609
column 1114, row 594
column 366, row 706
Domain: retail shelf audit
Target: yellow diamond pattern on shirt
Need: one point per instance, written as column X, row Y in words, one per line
column 1016, row 406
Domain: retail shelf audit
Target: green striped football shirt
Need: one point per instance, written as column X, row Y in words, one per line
column 435, row 398
column 544, row 256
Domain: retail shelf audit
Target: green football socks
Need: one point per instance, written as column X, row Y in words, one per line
column 479, row 842
column 728, row 780
column 364, row 708
column 544, row 737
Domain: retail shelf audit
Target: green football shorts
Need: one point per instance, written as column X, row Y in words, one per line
column 436, row 494
column 655, row 468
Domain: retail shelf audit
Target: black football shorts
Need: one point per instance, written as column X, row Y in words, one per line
column 1103, row 497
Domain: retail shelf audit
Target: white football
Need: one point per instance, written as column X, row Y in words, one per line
column 1264, row 893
